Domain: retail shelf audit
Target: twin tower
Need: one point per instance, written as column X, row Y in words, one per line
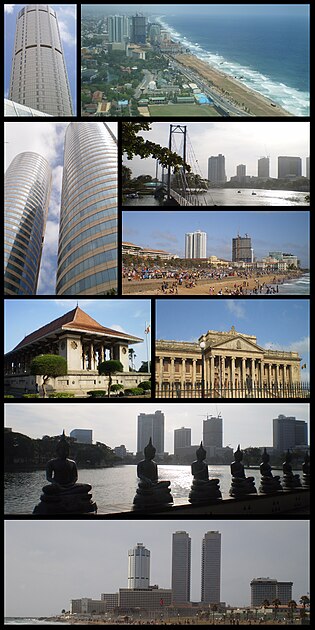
column 87, row 252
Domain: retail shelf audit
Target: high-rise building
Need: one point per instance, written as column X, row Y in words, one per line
column 139, row 567
column 263, row 167
column 241, row 172
column 182, row 437
column 181, row 563
column 212, row 432
column 87, row 252
column 38, row 75
column 289, row 167
column 151, row 425
column 118, row 28
column 269, row 589
column 196, row 244
column 155, row 34
column 82, row 436
column 27, row 193
column 211, row 568
column 307, row 171
column 216, row 169
column 242, row 249
column 288, row 433
column 139, row 29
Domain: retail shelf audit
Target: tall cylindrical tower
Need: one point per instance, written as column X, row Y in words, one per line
column 87, row 254
column 27, row 192
column 181, row 564
column 38, row 75
column 139, row 567
column 211, row 568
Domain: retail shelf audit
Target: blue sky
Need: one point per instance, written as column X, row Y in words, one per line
column 25, row 316
column 278, row 325
column 66, row 14
column 213, row 9
column 47, row 139
column 269, row 231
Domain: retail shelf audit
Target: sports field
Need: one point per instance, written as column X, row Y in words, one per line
column 183, row 109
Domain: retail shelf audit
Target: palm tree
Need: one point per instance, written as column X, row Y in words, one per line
column 214, row 609
column 292, row 606
column 304, row 600
column 276, row 603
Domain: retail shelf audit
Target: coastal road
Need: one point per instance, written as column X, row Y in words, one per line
column 148, row 76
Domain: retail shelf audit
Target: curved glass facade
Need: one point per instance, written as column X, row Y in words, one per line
column 27, row 193
column 38, row 76
column 87, row 253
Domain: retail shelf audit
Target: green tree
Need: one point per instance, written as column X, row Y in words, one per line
column 276, row 603
column 144, row 367
column 108, row 368
column 304, row 600
column 132, row 356
column 292, row 606
column 125, row 175
column 132, row 145
column 48, row 366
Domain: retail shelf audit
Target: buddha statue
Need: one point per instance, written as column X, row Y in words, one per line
column 151, row 492
column 268, row 482
column 290, row 481
column 203, row 489
column 241, row 485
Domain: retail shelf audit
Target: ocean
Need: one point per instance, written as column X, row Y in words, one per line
column 32, row 621
column 270, row 52
column 230, row 197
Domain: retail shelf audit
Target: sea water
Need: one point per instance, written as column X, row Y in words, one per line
column 270, row 51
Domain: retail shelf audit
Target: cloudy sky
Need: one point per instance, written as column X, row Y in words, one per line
column 240, row 143
column 269, row 231
column 47, row 139
column 47, row 563
column 248, row 424
column 25, row 316
column 66, row 14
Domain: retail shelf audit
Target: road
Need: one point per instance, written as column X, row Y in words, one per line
column 148, row 76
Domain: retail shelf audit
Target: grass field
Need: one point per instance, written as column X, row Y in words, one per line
column 183, row 109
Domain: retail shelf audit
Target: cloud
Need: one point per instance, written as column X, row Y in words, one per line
column 236, row 308
column 9, row 8
column 65, row 34
column 301, row 346
column 164, row 236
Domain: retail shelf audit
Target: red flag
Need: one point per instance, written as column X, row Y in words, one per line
column 161, row 602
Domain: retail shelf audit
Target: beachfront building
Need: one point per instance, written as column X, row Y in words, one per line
column 87, row 251
column 26, row 200
column 241, row 173
column 139, row 567
column 138, row 29
column 196, row 244
column 234, row 366
column 151, row 425
column 289, row 167
column 182, row 438
column 146, row 252
column 118, row 28
column 242, row 250
column 269, row 589
column 211, row 568
column 263, row 167
column 84, row 343
column 216, row 169
column 39, row 76
column 288, row 433
column 181, row 566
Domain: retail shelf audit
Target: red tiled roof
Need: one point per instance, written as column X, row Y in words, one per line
column 75, row 319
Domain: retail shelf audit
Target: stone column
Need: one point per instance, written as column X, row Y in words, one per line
column 172, row 371
column 243, row 371
column 161, row 359
column 194, row 361
column 253, row 373
column 277, row 374
column 211, row 376
column 183, row 375
column 233, row 374
column 262, row 370
column 222, row 371
column 290, row 373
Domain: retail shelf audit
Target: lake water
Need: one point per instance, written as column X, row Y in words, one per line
column 110, row 486
column 230, row 197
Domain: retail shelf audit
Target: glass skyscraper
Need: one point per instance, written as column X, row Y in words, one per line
column 27, row 193
column 87, row 253
column 38, row 75
column 181, row 563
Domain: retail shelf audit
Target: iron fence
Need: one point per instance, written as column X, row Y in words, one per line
column 293, row 390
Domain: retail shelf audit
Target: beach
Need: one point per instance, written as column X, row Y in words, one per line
column 231, row 88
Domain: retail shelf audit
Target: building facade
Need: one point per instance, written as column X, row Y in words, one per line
column 211, row 568
column 87, row 252
column 17, row 110
column 213, row 432
column 181, row 567
column 39, row 76
column 242, row 249
column 139, row 29
column 151, row 425
column 27, row 194
column 182, row 438
column 138, row 567
column 216, row 169
column 289, row 167
column 263, row 167
column 234, row 366
column 288, row 433
column 145, row 599
column 269, row 589
column 118, row 28
column 241, row 172
column 196, row 244
column 82, row 436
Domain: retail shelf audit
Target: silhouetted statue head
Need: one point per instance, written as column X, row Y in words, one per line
column 238, row 454
column 201, row 453
column 149, row 450
column 62, row 448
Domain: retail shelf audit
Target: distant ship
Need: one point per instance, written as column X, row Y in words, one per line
column 253, row 193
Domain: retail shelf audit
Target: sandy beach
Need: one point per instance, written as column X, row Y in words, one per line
column 233, row 89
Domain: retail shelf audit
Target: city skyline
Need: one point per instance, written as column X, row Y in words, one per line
column 244, row 143
column 247, row 424
column 262, row 548
column 46, row 139
column 267, row 229
column 66, row 15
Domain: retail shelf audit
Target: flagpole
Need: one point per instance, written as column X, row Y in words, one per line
column 146, row 341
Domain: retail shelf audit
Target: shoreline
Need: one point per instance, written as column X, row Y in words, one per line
column 225, row 85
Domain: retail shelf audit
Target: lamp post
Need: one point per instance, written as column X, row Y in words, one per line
column 202, row 346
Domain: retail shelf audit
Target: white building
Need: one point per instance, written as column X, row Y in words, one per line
column 82, row 436
column 181, row 566
column 151, row 425
column 138, row 567
column 211, row 568
column 196, row 244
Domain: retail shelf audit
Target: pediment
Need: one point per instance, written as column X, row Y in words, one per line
column 237, row 343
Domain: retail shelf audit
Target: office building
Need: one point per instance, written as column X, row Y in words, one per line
column 38, row 75
column 151, row 425
column 26, row 200
column 288, row 433
column 263, row 167
column 87, row 252
column 241, row 172
column 289, row 167
column 269, row 589
column 138, row 29
column 181, row 566
column 182, row 438
column 155, row 34
column 307, row 172
column 196, row 244
column 138, row 567
column 211, row 568
column 242, row 249
column 216, row 169
column 212, row 432
column 82, row 436
column 146, row 599
column 118, row 29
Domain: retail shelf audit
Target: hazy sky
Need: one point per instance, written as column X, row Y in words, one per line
column 249, row 424
column 50, row 562
column 66, row 14
column 215, row 9
column 25, row 316
column 278, row 324
column 269, row 231
column 47, row 139
column 239, row 142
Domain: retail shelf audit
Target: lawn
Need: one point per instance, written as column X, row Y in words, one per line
column 183, row 109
